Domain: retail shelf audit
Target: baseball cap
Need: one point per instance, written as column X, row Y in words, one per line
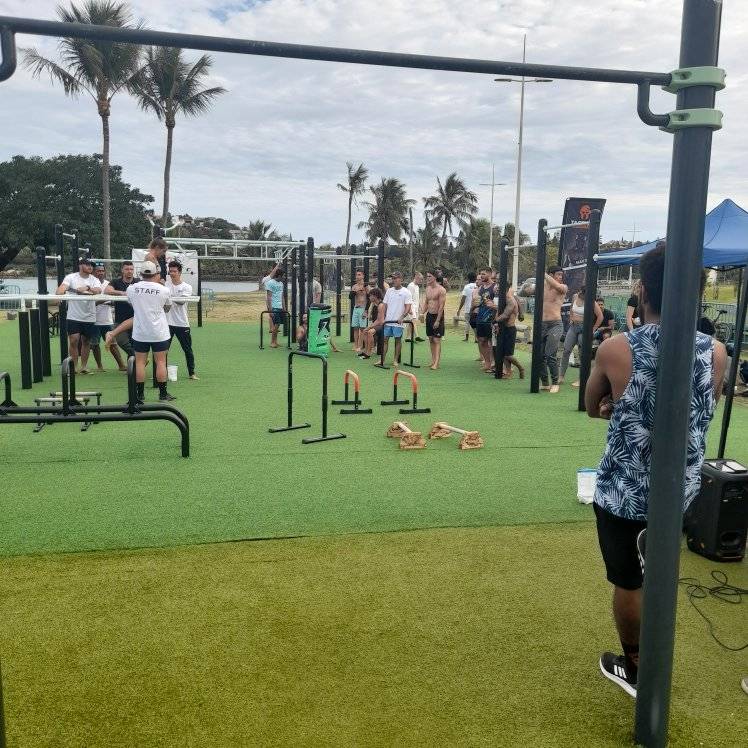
column 85, row 261
column 149, row 268
column 98, row 264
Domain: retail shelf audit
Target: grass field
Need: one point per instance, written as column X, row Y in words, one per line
column 410, row 598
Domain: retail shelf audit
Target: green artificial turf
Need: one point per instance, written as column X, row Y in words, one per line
column 486, row 636
column 125, row 486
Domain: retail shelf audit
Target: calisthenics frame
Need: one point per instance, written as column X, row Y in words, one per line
column 692, row 123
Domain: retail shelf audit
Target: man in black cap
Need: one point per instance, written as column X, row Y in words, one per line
column 81, row 315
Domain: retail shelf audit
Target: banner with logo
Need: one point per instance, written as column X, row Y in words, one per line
column 572, row 247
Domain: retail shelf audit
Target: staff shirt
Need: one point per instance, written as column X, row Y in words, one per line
column 396, row 300
column 82, row 311
column 148, row 300
column 177, row 315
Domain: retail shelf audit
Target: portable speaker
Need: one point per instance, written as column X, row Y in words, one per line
column 716, row 523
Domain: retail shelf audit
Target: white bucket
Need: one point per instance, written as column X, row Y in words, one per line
column 586, row 481
column 171, row 372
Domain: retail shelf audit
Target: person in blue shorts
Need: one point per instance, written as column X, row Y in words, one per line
column 397, row 303
column 273, row 284
column 358, row 313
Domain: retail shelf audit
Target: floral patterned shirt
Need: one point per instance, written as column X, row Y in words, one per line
column 623, row 476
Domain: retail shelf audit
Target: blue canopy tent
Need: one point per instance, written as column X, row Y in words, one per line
column 725, row 240
column 725, row 245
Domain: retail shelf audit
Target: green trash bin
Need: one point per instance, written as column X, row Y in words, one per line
column 319, row 329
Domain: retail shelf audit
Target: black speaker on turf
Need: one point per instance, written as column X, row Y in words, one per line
column 716, row 523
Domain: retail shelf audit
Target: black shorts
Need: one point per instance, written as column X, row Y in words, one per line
column 431, row 331
column 473, row 320
column 508, row 340
column 277, row 316
column 87, row 329
column 617, row 538
column 144, row 347
column 484, row 330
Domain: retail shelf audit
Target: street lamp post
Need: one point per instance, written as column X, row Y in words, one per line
column 521, row 81
column 493, row 184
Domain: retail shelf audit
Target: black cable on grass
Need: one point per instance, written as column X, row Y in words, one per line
column 723, row 591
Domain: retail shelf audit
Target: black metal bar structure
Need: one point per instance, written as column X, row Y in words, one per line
column 692, row 125
column 41, row 281
column 503, row 287
column 380, row 281
column 62, row 324
column 5, row 379
column 352, row 251
column 322, row 281
column 286, row 323
column 537, row 317
column 590, row 294
column 689, row 181
column 200, row 294
column 301, row 270
column 412, row 343
column 25, row 348
column 36, row 345
column 338, row 291
column 309, row 273
column 734, row 364
column 291, row 426
column 72, row 410
column 294, row 290
column 262, row 317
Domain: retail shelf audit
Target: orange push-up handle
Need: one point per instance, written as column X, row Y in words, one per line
column 350, row 374
column 412, row 377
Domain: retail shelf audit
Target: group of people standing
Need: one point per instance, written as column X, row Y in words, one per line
column 155, row 313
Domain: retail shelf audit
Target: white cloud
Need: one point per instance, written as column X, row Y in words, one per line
column 276, row 145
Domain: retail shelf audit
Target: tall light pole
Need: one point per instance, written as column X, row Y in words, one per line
column 633, row 233
column 490, row 232
column 521, row 81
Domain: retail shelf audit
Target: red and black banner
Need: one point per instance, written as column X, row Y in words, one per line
column 572, row 247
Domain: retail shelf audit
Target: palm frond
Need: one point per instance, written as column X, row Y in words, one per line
column 38, row 64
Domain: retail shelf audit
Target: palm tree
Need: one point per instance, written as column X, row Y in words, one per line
column 167, row 86
column 453, row 202
column 388, row 211
column 100, row 69
column 259, row 230
column 357, row 177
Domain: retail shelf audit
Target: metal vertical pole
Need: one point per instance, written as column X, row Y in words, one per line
column 352, row 250
column 503, row 286
column 25, row 345
column 75, row 250
column 324, row 398
column 36, row 345
column 310, row 271
column 380, row 279
column 734, row 364
column 294, row 289
column 537, row 319
column 338, row 290
column 322, row 281
column 515, row 260
column 286, row 325
column 62, row 327
column 590, row 282
column 200, row 294
column 41, row 280
column 689, row 180
column 490, row 220
column 302, row 281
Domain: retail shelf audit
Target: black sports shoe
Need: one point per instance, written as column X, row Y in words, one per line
column 613, row 667
column 420, row 340
column 166, row 397
column 641, row 546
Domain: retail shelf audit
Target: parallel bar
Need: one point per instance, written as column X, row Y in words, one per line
column 537, row 321
column 689, row 181
column 328, row 54
column 590, row 282
column 573, row 224
column 734, row 364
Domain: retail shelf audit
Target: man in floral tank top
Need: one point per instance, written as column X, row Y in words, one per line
column 622, row 388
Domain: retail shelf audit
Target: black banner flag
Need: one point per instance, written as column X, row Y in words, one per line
column 572, row 247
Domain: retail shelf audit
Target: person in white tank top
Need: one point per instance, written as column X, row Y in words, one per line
column 574, row 333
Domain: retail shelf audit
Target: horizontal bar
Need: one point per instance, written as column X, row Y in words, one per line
column 578, row 224
column 66, row 236
column 80, row 297
column 318, row 256
column 52, row 257
column 328, row 54
column 232, row 242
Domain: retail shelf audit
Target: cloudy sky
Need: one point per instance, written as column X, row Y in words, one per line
column 276, row 145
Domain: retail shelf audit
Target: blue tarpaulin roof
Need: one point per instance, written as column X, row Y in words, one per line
column 725, row 240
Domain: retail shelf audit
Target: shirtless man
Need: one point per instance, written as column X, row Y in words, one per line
column 508, row 318
column 553, row 328
column 157, row 254
column 358, row 297
column 485, row 311
column 436, row 297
